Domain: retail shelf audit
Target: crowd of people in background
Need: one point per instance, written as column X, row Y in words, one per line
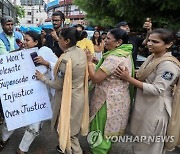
column 103, row 66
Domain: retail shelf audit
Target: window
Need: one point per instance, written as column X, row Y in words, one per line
column 36, row 19
column 29, row 13
column 76, row 9
column 29, row 21
column 29, row 2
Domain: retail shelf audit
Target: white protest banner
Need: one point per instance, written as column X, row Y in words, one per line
column 25, row 105
column 24, row 99
column 17, row 69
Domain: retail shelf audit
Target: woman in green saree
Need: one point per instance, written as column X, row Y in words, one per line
column 110, row 104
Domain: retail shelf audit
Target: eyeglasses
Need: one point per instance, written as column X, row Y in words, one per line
column 56, row 20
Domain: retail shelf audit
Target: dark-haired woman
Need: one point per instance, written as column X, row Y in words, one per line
column 98, row 45
column 47, row 58
column 71, row 97
column 153, row 105
column 109, row 108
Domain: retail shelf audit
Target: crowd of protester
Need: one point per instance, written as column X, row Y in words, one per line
column 102, row 67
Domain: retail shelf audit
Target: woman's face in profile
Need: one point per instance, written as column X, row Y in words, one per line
column 110, row 42
column 29, row 42
column 156, row 44
column 62, row 43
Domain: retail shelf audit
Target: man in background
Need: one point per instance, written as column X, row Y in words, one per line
column 133, row 39
column 9, row 39
column 84, row 43
column 52, row 39
column 79, row 27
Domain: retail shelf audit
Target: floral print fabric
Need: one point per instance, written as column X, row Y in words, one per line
column 116, row 94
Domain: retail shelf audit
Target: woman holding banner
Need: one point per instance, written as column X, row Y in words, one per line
column 31, row 40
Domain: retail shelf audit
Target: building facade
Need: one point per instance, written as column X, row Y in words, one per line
column 15, row 2
column 31, row 2
column 7, row 8
column 72, row 12
column 34, row 13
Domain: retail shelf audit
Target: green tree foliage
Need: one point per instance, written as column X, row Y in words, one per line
column 20, row 12
column 164, row 13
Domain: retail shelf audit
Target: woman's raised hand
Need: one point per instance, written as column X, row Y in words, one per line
column 89, row 55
